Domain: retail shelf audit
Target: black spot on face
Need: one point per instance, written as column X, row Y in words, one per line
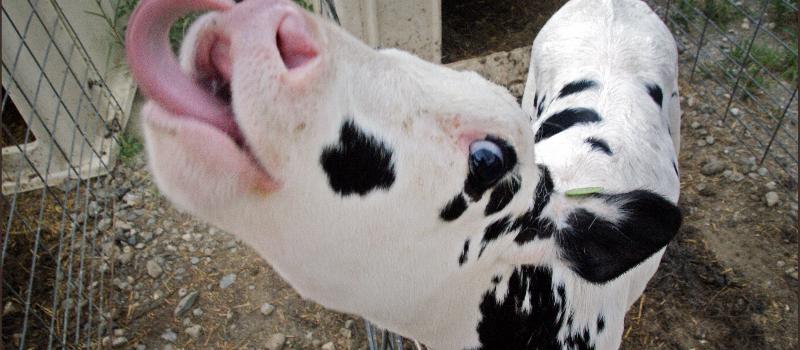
column 496, row 279
column 507, row 326
column 599, row 145
column 464, row 251
column 453, row 209
column 358, row 163
column 601, row 324
column 655, row 93
column 502, row 194
column 599, row 250
column 576, row 87
column 530, row 224
column 564, row 120
column 493, row 231
column 474, row 186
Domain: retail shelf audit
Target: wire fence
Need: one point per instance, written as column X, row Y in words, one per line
column 64, row 105
column 63, row 112
column 743, row 62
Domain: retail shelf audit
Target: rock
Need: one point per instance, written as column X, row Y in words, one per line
column 227, row 280
column 762, row 171
column 197, row 312
column 169, row 336
column 696, row 125
column 704, row 190
column 11, row 308
column 701, row 143
column 713, row 167
column 140, row 347
column 194, row 260
column 348, row 324
column 119, row 341
column 735, row 111
column 146, row 236
column 346, row 333
column 275, row 341
column 186, row 303
column 781, row 263
column 186, row 237
column 126, row 256
column 187, row 322
column 771, row 185
column 710, row 140
column 182, row 292
column 266, row 309
column 119, row 332
column 328, row 346
column 737, row 176
column 194, row 331
column 772, row 198
column 153, row 268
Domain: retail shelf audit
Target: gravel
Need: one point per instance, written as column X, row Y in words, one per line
column 154, row 269
column 328, row 346
column 186, row 303
column 266, row 309
column 194, row 331
column 227, row 280
column 713, row 167
column 772, row 198
column 169, row 336
column 275, row 341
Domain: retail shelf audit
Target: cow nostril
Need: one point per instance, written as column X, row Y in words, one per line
column 295, row 43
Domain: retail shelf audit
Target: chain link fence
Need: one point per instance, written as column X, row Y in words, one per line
column 741, row 57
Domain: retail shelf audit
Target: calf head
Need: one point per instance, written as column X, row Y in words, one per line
column 372, row 181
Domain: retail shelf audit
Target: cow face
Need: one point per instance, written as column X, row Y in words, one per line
column 358, row 174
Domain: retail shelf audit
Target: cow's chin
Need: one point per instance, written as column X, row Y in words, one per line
column 200, row 168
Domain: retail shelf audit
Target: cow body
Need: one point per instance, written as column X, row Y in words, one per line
column 379, row 184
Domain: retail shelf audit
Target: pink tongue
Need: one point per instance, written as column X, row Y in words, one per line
column 157, row 70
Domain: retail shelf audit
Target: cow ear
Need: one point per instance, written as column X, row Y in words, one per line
column 600, row 249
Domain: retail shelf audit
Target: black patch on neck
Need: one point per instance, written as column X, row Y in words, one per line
column 453, row 209
column 358, row 163
column 599, row 145
column 655, row 93
column 675, row 167
column 506, row 326
column 473, row 186
column 535, row 100
column 502, row 194
column 564, row 120
column 464, row 251
column 530, row 224
column 576, row 87
column 599, row 250
column 494, row 231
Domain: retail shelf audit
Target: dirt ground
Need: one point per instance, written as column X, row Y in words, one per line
column 728, row 280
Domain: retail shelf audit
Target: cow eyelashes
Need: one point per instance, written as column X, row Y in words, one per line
column 486, row 161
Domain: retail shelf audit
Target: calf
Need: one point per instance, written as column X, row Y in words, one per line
column 382, row 185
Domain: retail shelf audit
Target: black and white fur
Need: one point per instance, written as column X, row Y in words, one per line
column 348, row 169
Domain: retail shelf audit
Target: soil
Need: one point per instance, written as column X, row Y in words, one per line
column 726, row 281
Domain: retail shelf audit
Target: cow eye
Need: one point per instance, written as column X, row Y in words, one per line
column 486, row 161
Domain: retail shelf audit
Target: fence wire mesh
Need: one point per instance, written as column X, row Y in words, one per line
column 742, row 59
column 61, row 123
